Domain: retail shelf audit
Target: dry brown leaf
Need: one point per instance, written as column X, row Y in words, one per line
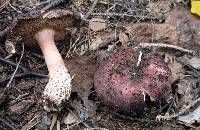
column 82, row 68
column 96, row 42
column 97, row 24
column 176, row 68
column 70, row 118
column 123, row 38
column 159, row 6
column 187, row 28
column 101, row 37
column 194, row 62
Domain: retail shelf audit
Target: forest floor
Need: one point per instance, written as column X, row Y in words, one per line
column 106, row 26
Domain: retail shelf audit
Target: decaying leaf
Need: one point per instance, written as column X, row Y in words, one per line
column 97, row 24
column 82, row 68
column 193, row 117
column 21, row 107
column 159, row 6
column 84, row 110
column 123, row 38
column 194, row 62
column 187, row 27
column 176, row 67
column 105, row 37
column 70, row 118
column 96, row 42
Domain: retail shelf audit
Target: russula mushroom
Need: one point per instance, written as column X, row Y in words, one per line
column 47, row 29
column 122, row 83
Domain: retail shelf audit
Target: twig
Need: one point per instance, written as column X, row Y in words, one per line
column 14, row 8
column 4, row 5
column 127, row 15
column 11, row 79
column 139, row 58
column 7, row 124
column 54, row 120
column 51, row 3
column 159, row 117
column 162, row 45
column 58, row 124
column 91, row 9
column 27, row 74
column 11, row 63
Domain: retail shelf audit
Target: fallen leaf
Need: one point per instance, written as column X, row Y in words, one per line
column 84, row 110
column 193, row 117
column 123, row 38
column 176, row 68
column 97, row 24
column 70, row 118
column 194, row 62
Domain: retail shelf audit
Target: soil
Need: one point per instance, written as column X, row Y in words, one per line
column 128, row 23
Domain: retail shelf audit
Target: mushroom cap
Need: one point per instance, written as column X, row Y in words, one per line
column 121, row 84
column 61, row 21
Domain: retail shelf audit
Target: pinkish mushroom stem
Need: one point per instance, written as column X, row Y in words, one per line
column 58, row 88
column 51, row 54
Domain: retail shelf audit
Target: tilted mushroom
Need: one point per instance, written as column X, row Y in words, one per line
column 46, row 29
column 122, row 83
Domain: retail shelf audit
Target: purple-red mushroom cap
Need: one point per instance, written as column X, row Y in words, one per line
column 121, row 83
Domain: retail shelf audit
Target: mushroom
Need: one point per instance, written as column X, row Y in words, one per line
column 122, row 83
column 47, row 29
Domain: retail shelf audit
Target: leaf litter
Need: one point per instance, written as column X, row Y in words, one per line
column 113, row 25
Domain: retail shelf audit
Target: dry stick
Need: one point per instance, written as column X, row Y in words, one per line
column 51, row 3
column 26, row 72
column 91, row 9
column 54, row 120
column 179, row 113
column 127, row 15
column 11, row 63
column 4, row 5
column 11, row 79
column 7, row 124
column 143, row 45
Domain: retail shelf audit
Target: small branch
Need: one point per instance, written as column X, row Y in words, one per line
column 182, row 111
column 139, row 58
column 162, row 45
column 27, row 74
column 11, row 79
column 4, row 5
column 51, row 3
column 127, row 15
column 7, row 124
column 91, row 9
column 54, row 120
column 11, row 63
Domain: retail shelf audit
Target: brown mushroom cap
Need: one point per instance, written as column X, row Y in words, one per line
column 58, row 20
